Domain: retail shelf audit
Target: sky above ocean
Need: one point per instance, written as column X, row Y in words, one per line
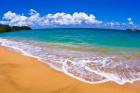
column 70, row 13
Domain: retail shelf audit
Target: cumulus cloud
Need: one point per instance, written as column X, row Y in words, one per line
column 130, row 22
column 9, row 15
column 78, row 19
column 14, row 19
column 34, row 19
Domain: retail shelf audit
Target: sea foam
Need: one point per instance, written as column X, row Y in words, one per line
column 90, row 69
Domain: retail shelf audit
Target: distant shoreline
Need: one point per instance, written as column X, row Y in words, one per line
column 7, row 28
column 128, row 30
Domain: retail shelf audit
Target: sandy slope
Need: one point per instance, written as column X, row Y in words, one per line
column 20, row 74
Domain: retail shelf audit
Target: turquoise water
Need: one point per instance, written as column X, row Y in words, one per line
column 82, row 52
column 91, row 37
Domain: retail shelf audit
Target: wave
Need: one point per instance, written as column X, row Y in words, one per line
column 92, row 69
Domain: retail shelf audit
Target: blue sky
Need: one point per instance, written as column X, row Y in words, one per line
column 104, row 10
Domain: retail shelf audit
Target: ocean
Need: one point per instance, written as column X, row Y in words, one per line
column 89, row 55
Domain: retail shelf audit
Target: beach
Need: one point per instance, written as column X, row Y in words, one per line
column 67, row 46
column 22, row 74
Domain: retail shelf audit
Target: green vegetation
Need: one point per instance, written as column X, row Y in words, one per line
column 7, row 28
column 17, row 28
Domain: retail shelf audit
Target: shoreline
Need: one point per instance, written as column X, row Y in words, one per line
column 23, row 74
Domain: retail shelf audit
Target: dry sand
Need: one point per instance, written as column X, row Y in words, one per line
column 22, row 74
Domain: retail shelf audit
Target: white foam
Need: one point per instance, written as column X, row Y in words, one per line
column 78, row 78
column 35, row 51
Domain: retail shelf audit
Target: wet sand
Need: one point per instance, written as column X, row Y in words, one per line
column 22, row 74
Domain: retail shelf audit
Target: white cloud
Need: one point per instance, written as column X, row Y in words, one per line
column 115, row 25
column 36, row 20
column 14, row 19
column 77, row 19
column 129, row 19
column 130, row 22
column 112, row 24
column 9, row 15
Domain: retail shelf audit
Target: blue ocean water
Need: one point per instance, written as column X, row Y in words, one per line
column 89, row 55
column 116, row 38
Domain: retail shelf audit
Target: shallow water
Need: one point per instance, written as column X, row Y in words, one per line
column 90, row 55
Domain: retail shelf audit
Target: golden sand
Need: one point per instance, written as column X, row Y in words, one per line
column 22, row 74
